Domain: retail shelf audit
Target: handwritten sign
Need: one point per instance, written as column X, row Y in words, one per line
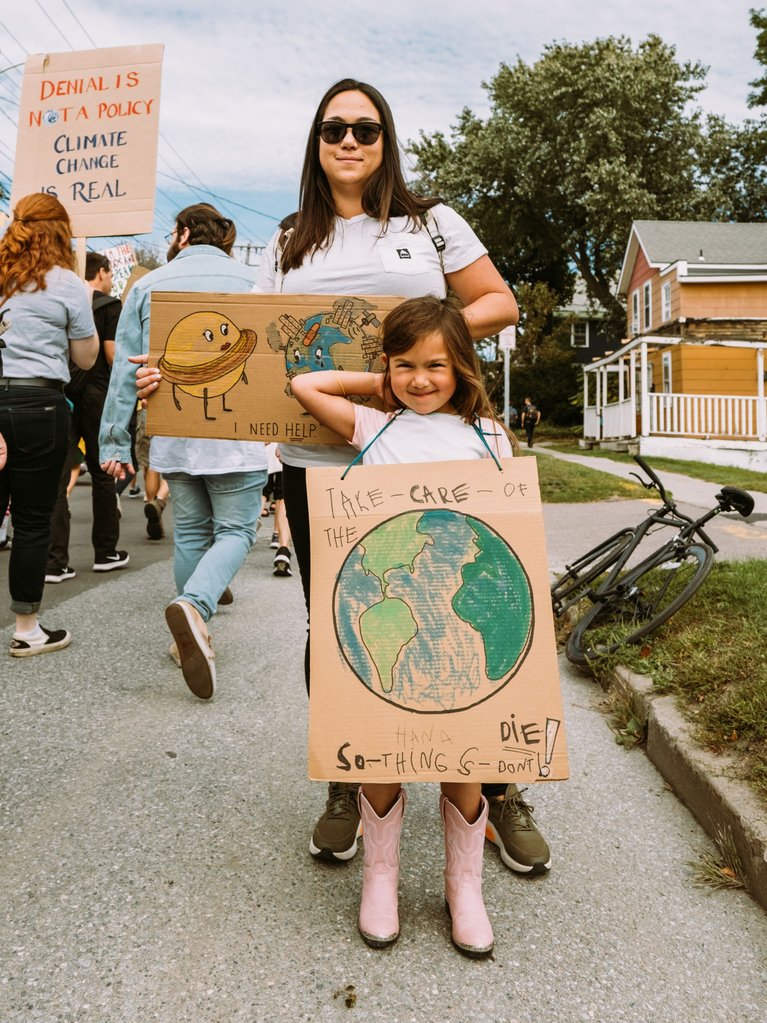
column 433, row 655
column 227, row 360
column 122, row 259
column 88, row 126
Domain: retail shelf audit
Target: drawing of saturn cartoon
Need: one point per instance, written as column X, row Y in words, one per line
column 205, row 356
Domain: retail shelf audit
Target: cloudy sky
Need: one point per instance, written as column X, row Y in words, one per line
column 241, row 78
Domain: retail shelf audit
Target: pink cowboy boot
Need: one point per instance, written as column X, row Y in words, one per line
column 379, row 919
column 464, row 848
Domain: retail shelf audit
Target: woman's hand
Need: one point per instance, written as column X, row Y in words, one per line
column 3, row 457
column 147, row 377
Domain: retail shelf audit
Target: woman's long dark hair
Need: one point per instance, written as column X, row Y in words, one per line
column 386, row 194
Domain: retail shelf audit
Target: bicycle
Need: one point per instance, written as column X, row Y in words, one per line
column 628, row 603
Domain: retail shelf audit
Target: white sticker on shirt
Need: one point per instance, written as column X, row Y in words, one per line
column 406, row 253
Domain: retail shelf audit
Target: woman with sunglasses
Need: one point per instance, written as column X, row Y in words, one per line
column 361, row 231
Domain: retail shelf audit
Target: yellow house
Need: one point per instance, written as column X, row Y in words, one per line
column 689, row 381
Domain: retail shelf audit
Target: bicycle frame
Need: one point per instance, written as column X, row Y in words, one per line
column 668, row 515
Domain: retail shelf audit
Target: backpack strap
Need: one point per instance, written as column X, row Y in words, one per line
column 282, row 240
column 430, row 223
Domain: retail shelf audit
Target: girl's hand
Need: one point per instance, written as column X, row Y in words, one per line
column 3, row 452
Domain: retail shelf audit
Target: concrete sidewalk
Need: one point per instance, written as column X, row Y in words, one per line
column 155, row 863
column 686, row 490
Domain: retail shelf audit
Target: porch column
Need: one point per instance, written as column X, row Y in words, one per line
column 633, row 388
column 645, row 393
column 761, row 405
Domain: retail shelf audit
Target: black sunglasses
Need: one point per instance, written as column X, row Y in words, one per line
column 364, row 132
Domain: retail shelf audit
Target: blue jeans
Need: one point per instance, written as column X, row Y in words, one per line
column 214, row 527
column 35, row 424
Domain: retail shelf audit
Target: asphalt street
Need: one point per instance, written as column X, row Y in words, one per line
column 154, row 848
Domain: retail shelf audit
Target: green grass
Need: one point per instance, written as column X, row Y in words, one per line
column 727, row 475
column 713, row 656
column 568, row 483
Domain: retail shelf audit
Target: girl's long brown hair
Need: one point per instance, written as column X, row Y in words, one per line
column 38, row 238
column 386, row 194
column 416, row 318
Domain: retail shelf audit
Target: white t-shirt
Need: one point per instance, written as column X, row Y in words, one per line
column 362, row 259
column 437, row 437
column 42, row 323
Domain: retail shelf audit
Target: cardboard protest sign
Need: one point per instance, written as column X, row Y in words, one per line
column 433, row 655
column 227, row 360
column 122, row 259
column 88, row 126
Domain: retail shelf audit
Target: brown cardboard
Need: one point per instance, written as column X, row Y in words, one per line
column 433, row 655
column 227, row 360
column 88, row 126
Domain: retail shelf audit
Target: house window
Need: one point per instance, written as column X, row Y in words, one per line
column 635, row 312
column 647, row 304
column 666, row 303
column 579, row 334
column 666, row 362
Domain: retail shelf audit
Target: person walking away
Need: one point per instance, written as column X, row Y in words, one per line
column 50, row 320
column 215, row 485
column 531, row 416
column 87, row 391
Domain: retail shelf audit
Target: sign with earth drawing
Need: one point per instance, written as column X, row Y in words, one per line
column 227, row 360
column 433, row 655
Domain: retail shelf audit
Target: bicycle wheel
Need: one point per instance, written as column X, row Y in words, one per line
column 572, row 586
column 644, row 598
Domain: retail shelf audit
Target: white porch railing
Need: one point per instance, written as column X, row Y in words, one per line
column 734, row 417
column 591, row 423
column 619, row 419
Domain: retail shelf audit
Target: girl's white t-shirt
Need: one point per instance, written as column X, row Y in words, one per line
column 365, row 259
column 438, row 437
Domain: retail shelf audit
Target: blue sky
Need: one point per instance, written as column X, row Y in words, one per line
column 241, row 78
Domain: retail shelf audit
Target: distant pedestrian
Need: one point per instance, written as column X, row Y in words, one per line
column 50, row 320
column 87, row 391
column 531, row 416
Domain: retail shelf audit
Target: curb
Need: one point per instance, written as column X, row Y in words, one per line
column 705, row 783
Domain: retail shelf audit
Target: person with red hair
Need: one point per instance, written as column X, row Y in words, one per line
column 47, row 312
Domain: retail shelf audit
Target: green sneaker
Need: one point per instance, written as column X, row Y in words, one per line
column 510, row 826
column 337, row 831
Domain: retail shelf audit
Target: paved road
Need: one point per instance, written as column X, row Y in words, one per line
column 155, row 866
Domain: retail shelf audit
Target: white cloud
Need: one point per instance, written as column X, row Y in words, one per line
column 242, row 77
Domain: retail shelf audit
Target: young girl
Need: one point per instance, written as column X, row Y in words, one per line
column 431, row 376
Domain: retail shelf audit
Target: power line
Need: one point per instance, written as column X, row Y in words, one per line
column 71, row 47
column 85, row 30
column 20, row 45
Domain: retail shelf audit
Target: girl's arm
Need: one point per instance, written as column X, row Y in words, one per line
column 489, row 305
column 323, row 394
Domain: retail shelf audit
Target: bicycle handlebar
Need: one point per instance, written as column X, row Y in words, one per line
column 651, row 473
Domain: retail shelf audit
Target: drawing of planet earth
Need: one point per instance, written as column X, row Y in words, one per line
column 433, row 611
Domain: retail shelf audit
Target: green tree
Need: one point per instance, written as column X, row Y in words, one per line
column 542, row 363
column 758, row 21
column 576, row 147
column 147, row 257
column 732, row 170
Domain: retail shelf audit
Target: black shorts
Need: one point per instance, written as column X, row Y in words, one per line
column 273, row 488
